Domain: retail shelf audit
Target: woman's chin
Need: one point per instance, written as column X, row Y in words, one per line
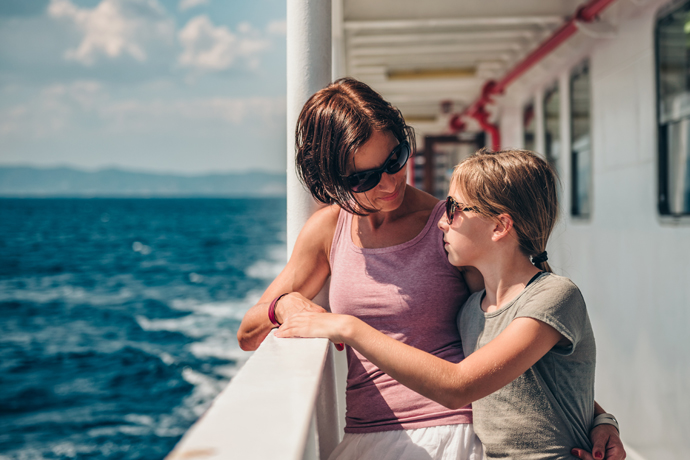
column 391, row 202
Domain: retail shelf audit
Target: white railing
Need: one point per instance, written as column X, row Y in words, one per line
column 282, row 404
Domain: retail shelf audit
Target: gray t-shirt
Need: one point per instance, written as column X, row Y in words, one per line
column 548, row 410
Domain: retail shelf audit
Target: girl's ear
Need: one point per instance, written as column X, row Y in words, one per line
column 503, row 224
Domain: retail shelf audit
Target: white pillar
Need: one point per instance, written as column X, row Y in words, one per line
column 308, row 70
column 338, row 61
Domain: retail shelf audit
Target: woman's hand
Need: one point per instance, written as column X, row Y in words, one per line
column 306, row 272
column 607, row 445
column 308, row 324
column 294, row 303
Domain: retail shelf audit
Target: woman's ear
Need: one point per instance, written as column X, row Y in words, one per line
column 503, row 224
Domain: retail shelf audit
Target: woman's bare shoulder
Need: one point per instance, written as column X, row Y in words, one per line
column 421, row 204
column 319, row 229
column 325, row 216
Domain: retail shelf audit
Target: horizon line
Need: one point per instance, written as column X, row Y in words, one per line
column 138, row 171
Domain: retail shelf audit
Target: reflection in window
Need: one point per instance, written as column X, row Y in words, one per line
column 673, row 77
column 552, row 127
column 528, row 127
column 581, row 156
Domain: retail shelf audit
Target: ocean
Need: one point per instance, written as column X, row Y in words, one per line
column 118, row 317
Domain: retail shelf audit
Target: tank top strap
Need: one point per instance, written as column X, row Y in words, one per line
column 342, row 230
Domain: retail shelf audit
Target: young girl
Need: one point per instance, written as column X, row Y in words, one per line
column 530, row 352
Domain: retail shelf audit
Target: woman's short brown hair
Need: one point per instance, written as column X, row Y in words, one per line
column 332, row 125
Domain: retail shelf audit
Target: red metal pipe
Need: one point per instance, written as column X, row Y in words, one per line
column 561, row 35
column 477, row 110
column 590, row 11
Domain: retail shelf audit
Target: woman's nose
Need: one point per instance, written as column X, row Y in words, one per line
column 387, row 182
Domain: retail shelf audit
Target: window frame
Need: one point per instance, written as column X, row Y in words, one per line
column 556, row 163
column 662, row 200
column 529, row 103
column 575, row 212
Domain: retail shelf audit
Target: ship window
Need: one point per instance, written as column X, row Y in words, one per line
column 528, row 127
column 581, row 149
column 552, row 127
column 673, row 80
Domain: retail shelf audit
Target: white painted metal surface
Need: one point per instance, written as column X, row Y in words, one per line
column 309, row 58
column 308, row 70
column 267, row 410
column 632, row 266
column 419, row 54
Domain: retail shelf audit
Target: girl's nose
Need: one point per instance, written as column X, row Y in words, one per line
column 443, row 223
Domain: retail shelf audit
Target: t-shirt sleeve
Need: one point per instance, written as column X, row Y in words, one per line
column 557, row 302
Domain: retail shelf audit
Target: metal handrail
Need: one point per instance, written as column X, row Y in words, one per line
column 282, row 404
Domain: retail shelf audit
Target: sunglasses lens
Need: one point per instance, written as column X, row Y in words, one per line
column 399, row 158
column 365, row 182
column 450, row 211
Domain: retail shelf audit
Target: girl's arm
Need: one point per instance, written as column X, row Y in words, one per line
column 486, row 370
column 305, row 273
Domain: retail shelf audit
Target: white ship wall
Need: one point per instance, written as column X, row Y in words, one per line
column 632, row 266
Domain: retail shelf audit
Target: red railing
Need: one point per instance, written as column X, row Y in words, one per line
column 477, row 110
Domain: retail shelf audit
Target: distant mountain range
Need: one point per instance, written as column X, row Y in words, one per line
column 22, row 181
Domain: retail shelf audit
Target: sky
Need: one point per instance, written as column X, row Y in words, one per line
column 176, row 86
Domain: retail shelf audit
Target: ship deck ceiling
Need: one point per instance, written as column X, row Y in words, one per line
column 420, row 54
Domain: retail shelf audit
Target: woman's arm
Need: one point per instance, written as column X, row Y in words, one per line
column 305, row 273
column 606, row 441
column 486, row 370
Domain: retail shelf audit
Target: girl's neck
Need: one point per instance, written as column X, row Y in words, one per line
column 505, row 276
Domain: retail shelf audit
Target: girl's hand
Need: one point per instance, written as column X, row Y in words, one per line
column 294, row 303
column 307, row 324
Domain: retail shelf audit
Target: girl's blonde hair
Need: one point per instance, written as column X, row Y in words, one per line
column 517, row 183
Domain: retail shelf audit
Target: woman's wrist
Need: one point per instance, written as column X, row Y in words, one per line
column 273, row 315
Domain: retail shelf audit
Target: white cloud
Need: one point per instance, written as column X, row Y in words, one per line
column 62, row 106
column 189, row 4
column 92, row 125
column 134, row 114
column 114, row 27
column 277, row 27
column 210, row 48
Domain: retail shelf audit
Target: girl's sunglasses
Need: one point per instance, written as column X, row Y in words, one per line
column 366, row 180
column 453, row 206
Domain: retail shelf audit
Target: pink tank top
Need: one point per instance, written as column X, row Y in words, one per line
column 411, row 293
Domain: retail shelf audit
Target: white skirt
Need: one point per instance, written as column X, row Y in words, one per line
column 446, row 442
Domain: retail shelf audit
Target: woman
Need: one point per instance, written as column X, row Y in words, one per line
column 378, row 242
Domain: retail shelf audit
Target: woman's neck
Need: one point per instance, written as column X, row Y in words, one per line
column 384, row 229
column 413, row 201
column 505, row 275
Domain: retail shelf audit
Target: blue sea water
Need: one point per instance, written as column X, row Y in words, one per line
column 118, row 317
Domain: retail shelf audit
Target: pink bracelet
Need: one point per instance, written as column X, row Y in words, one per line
column 272, row 310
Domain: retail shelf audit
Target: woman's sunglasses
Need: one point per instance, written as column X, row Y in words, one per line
column 366, row 180
column 453, row 206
